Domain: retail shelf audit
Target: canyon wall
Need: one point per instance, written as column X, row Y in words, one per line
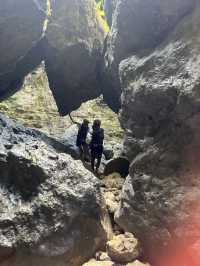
column 159, row 77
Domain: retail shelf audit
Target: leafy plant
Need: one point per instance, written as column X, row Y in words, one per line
column 100, row 3
column 101, row 15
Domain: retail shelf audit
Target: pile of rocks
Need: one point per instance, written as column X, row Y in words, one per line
column 122, row 250
column 111, row 190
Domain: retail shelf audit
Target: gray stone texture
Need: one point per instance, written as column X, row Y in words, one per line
column 137, row 27
column 50, row 205
column 160, row 113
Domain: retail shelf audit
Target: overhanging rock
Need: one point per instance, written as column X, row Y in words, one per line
column 71, row 48
column 137, row 28
column 73, row 53
column 21, row 28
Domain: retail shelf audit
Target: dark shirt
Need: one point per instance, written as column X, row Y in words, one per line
column 97, row 137
column 82, row 135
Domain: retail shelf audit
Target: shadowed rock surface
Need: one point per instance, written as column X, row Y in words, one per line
column 160, row 113
column 71, row 47
column 137, row 26
column 73, row 53
column 50, row 204
column 117, row 165
column 155, row 45
column 21, row 28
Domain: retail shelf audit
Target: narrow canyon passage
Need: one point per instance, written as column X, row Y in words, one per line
column 135, row 66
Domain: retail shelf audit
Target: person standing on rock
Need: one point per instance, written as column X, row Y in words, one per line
column 81, row 141
column 96, row 144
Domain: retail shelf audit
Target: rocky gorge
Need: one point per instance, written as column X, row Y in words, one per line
column 53, row 210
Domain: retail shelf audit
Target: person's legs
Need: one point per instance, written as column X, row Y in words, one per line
column 86, row 154
column 81, row 151
column 92, row 159
column 99, row 156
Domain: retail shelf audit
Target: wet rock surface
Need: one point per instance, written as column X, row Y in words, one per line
column 160, row 112
column 50, row 204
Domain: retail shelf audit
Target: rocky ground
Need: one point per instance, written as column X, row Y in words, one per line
column 34, row 106
column 148, row 65
column 123, row 249
column 42, row 214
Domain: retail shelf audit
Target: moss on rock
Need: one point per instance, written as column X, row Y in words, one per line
column 35, row 107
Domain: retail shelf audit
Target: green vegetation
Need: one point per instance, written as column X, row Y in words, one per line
column 100, row 4
column 101, row 15
column 48, row 15
column 35, row 107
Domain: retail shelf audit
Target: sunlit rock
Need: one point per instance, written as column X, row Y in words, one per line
column 51, row 207
column 123, row 248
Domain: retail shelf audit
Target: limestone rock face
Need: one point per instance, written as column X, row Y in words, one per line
column 137, row 26
column 123, row 248
column 137, row 263
column 70, row 45
column 21, row 26
column 50, row 204
column 111, row 190
column 109, row 8
column 94, row 262
column 73, row 53
column 160, row 112
column 69, row 140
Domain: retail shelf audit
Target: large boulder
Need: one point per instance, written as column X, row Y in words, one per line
column 123, row 248
column 137, row 263
column 50, row 205
column 73, row 53
column 94, row 262
column 70, row 42
column 21, row 27
column 160, row 113
column 69, row 140
column 137, row 26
